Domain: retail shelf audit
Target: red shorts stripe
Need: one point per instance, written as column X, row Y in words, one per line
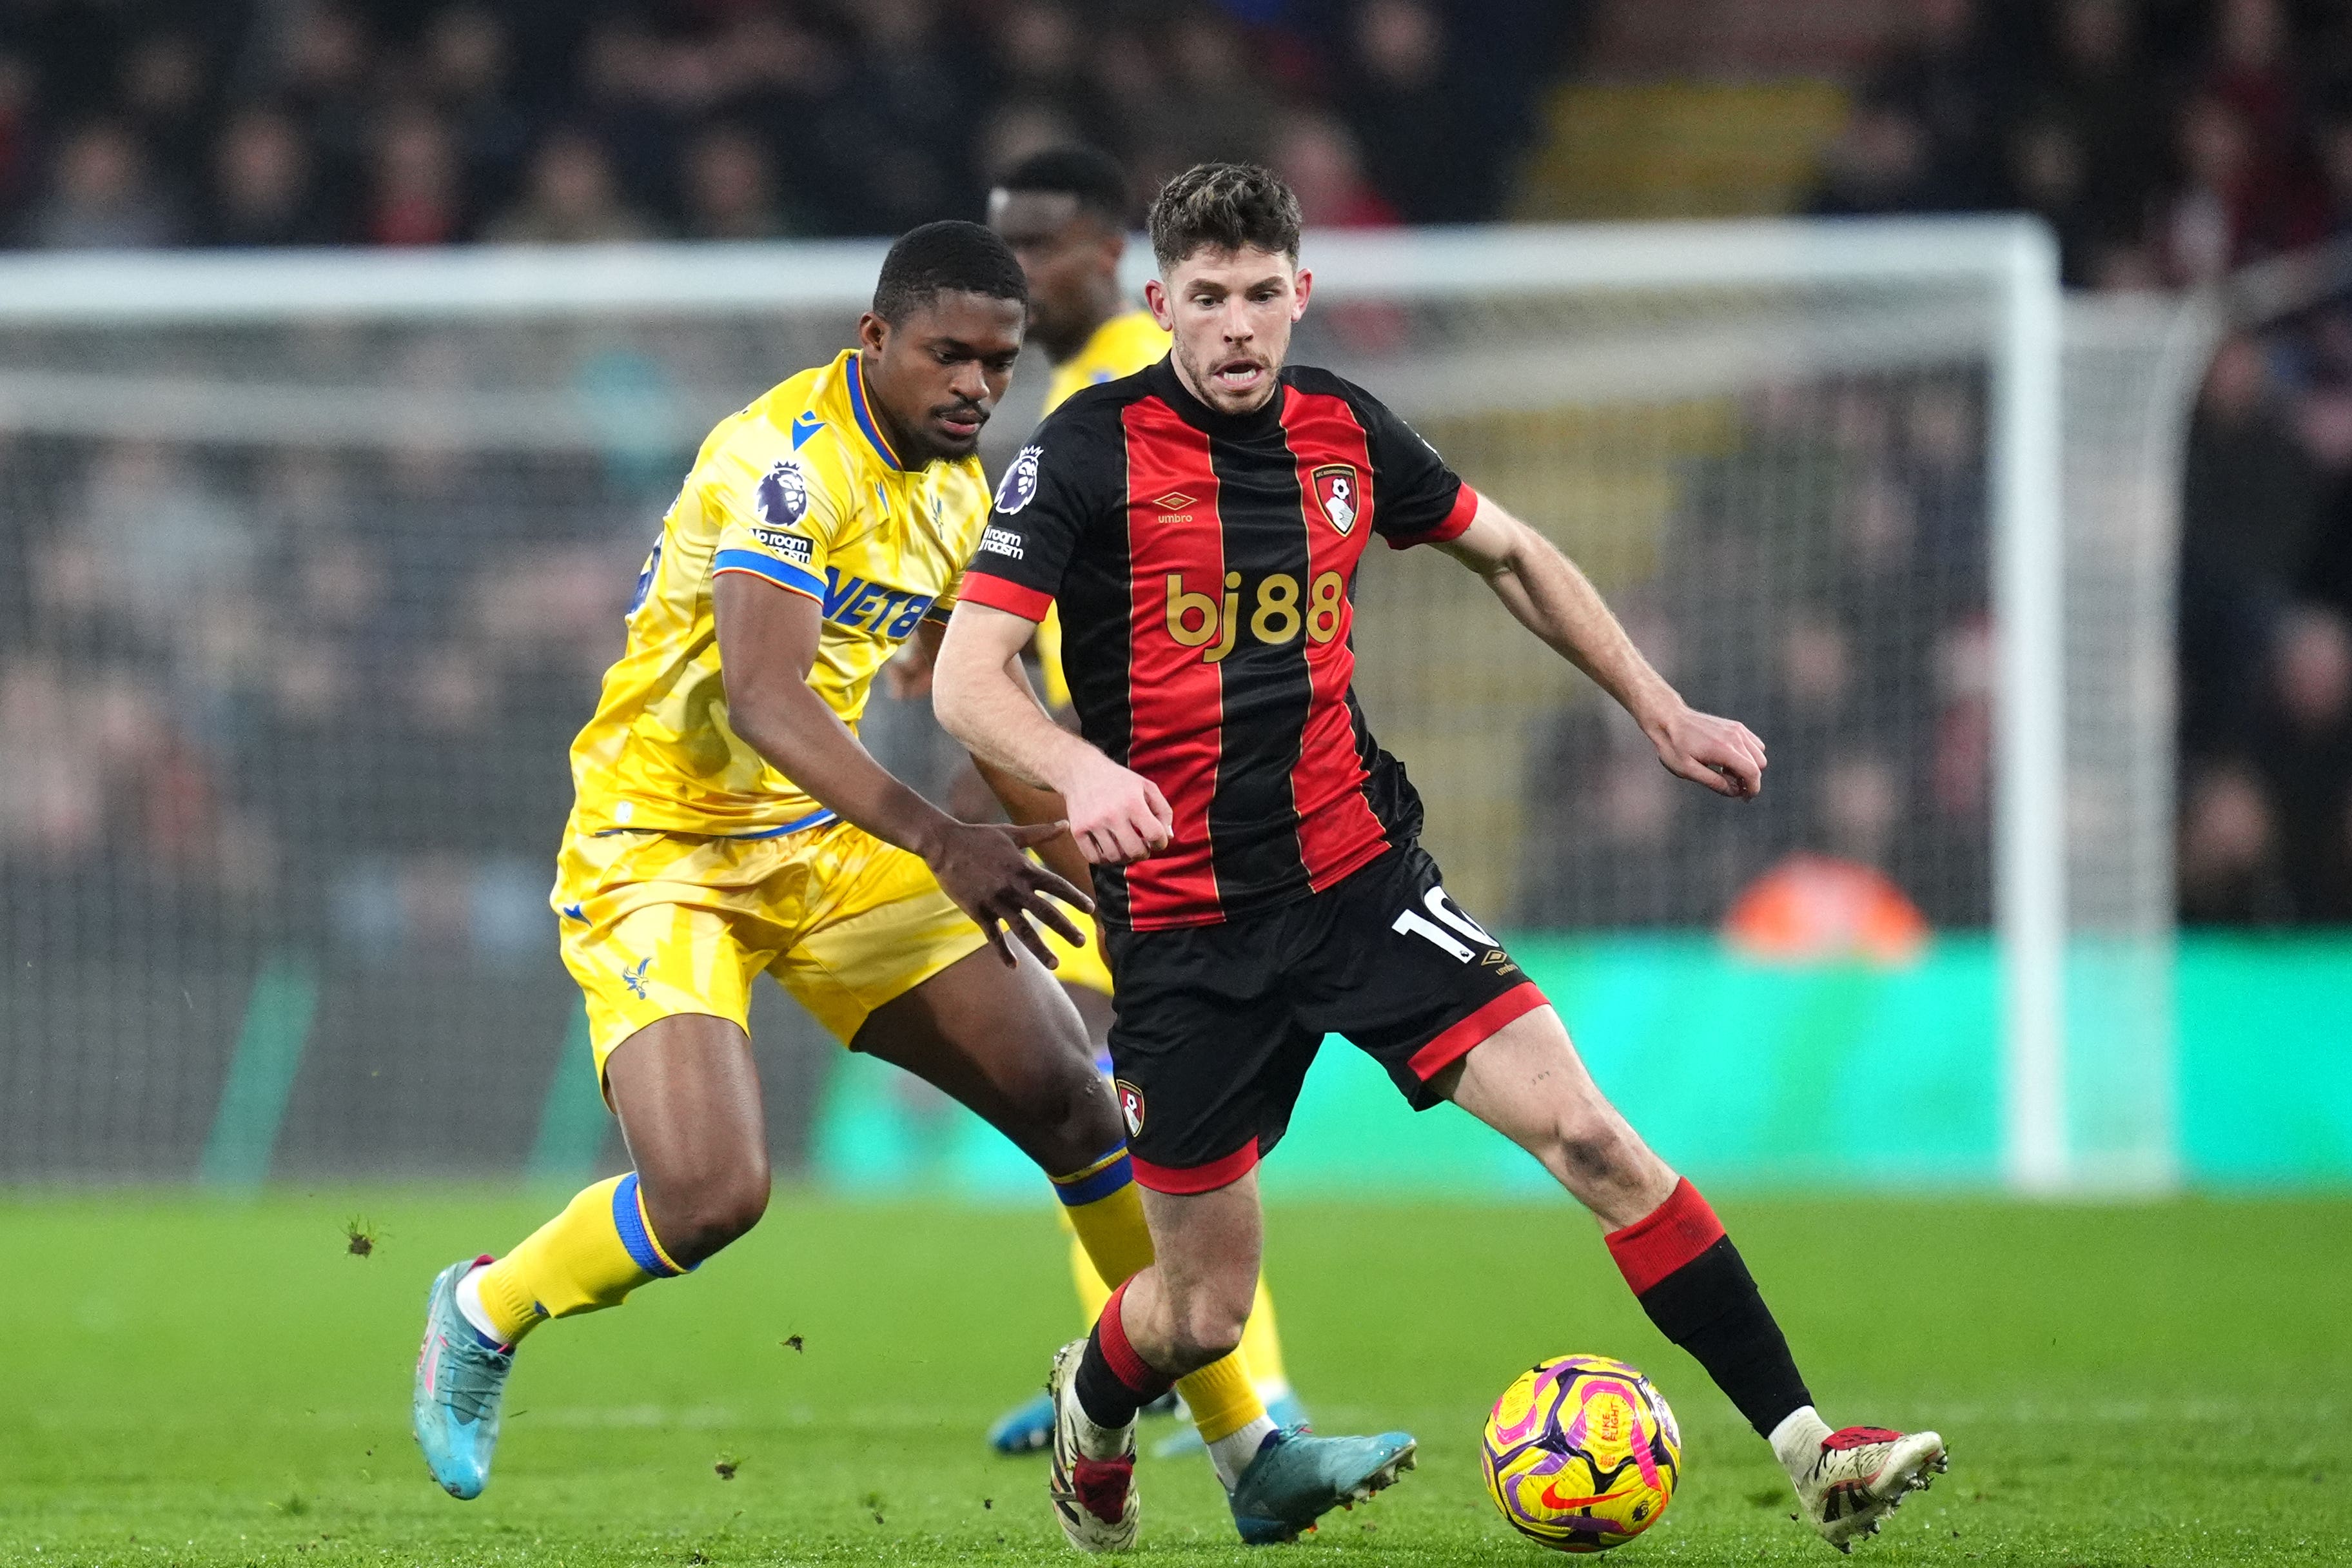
column 1665, row 1238
column 1186, row 1180
column 1466, row 510
column 998, row 594
column 1461, row 1037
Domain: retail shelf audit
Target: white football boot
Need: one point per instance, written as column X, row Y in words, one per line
column 1859, row 1477
column 1094, row 1498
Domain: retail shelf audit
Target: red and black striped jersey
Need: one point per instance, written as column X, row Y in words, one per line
column 1206, row 568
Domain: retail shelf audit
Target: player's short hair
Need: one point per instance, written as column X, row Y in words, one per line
column 950, row 256
column 1224, row 206
column 1093, row 177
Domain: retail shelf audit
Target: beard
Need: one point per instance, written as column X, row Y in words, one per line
column 1202, row 378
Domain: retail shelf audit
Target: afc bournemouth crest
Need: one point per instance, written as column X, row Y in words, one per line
column 1335, row 489
column 1131, row 1105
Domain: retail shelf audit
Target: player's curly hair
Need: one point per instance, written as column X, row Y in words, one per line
column 945, row 258
column 1224, row 206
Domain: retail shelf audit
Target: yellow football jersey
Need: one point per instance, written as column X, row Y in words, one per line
column 801, row 488
column 1120, row 346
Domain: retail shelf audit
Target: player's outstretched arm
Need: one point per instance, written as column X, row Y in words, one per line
column 1549, row 595
column 767, row 646
column 983, row 700
column 1023, row 802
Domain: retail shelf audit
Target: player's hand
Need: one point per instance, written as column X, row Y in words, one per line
column 1118, row 816
column 1721, row 754
column 907, row 676
column 983, row 867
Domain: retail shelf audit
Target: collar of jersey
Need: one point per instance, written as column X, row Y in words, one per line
column 864, row 415
column 1170, row 387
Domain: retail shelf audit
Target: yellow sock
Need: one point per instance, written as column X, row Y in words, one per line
column 1106, row 1212
column 1262, row 1346
column 1220, row 1397
column 589, row 1257
column 1092, row 1292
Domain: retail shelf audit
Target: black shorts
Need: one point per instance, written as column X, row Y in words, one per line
column 1218, row 1024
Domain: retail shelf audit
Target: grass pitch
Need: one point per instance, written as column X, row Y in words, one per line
column 196, row 1382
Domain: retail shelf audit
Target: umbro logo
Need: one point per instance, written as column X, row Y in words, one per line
column 1174, row 501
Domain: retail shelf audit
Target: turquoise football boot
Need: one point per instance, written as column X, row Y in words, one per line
column 1297, row 1477
column 1286, row 1410
column 1026, row 1428
column 459, row 1381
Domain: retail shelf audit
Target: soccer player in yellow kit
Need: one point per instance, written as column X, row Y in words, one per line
column 1064, row 212
column 727, row 822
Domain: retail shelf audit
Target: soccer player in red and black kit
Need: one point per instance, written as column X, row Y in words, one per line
column 1255, row 852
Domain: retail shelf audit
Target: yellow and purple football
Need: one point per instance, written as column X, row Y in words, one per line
column 1581, row 1454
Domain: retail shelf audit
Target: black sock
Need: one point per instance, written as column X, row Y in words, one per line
column 1113, row 1381
column 1711, row 1307
column 1696, row 1289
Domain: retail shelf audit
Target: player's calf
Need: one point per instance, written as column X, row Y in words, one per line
column 1204, row 1317
column 1527, row 1083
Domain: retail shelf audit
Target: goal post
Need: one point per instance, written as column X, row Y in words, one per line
column 2014, row 262
column 1899, row 426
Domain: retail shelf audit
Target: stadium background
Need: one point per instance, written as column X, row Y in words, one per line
column 282, row 764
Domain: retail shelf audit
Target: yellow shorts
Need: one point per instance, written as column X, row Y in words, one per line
column 1084, row 965
column 654, row 924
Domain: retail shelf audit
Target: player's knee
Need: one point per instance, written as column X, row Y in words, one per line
column 696, row 1216
column 1075, row 1118
column 1593, row 1150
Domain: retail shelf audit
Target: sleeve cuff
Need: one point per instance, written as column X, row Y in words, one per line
column 998, row 594
column 782, row 573
column 1465, row 511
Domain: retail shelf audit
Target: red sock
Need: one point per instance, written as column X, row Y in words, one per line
column 1114, row 1381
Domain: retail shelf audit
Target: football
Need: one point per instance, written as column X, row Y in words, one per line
column 1580, row 1453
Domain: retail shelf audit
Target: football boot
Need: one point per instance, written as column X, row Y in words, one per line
column 1297, row 1477
column 460, row 1379
column 1861, row 1475
column 1093, row 1498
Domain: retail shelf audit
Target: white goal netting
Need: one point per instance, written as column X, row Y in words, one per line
column 308, row 573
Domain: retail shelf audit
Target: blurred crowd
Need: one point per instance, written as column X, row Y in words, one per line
column 241, row 122
column 294, row 691
column 2169, row 143
column 1824, row 577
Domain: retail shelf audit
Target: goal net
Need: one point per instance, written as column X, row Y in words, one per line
column 313, row 563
